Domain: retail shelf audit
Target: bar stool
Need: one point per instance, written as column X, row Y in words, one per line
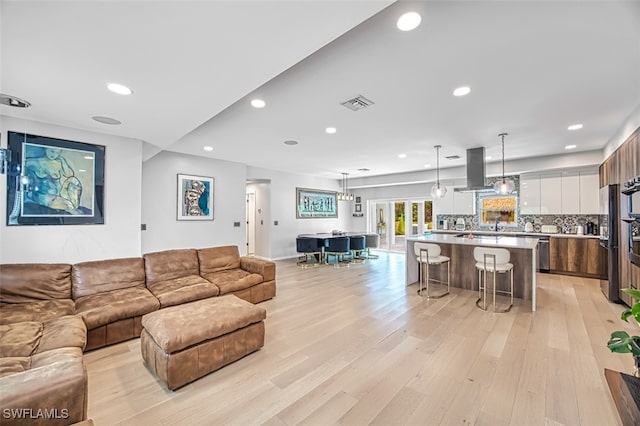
column 428, row 254
column 495, row 261
column 308, row 248
column 338, row 247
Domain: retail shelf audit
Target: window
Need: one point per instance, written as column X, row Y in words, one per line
column 502, row 208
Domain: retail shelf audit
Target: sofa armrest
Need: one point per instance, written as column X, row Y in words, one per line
column 265, row 268
column 54, row 394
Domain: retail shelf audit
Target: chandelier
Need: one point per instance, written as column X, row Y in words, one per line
column 345, row 195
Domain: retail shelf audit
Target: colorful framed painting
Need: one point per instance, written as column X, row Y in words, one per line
column 54, row 181
column 315, row 203
column 195, row 197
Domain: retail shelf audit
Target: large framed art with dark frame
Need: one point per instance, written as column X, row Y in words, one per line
column 54, row 181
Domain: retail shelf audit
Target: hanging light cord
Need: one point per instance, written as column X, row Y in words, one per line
column 438, row 165
column 503, row 135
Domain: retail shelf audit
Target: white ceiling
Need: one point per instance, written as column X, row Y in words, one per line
column 534, row 68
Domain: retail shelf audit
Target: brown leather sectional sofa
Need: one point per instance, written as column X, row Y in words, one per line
column 51, row 313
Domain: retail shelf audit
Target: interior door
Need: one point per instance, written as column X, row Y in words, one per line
column 251, row 223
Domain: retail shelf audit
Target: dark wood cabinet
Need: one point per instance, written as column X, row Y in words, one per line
column 577, row 256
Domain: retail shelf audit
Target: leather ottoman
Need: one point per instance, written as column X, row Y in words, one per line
column 183, row 343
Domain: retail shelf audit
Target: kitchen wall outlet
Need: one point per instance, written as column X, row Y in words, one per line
column 275, row 223
column 236, row 224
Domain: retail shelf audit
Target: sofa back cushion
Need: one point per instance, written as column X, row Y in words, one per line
column 170, row 264
column 216, row 259
column 106, row 275
column 31, row 282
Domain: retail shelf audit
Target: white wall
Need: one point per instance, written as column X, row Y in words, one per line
column 624, row 131
column 283, row 209
column 118, row 237
column 159, row 204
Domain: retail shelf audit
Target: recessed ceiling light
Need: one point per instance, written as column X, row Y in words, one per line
column 462, row 91
column 258, row 103
column 575, row 127
column 402, row 155
column 330, row 130
column 570, row 146
column 409, row 21
column 208, row 148
column 427, row 165
column 291, row 142
column 120, row 89
column 488, row 157
column 106, row 120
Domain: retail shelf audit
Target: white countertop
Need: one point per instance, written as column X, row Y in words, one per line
column 514, row 233
column 487, row 241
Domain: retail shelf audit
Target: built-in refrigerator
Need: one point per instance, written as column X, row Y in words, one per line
column 610, row 206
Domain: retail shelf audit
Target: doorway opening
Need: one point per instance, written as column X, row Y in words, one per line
column 394, row 220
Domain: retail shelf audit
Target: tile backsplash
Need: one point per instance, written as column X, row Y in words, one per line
column 562, row 221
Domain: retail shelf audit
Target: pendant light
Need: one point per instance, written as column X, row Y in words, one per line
column 345, row 195
column 504, row 186
column 437, row 190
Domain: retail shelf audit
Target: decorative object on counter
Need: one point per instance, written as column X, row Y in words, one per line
column 580, row 230
column 621, row 342
column 437, row 190
column 345, row 195
column 528, row 227
column 460, row 226
column 503, row 186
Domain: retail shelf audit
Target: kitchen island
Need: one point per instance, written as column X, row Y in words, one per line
column 459, row 248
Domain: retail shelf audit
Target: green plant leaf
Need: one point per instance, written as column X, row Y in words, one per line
column 626, row 314
column 635, row 293
column 620, row 342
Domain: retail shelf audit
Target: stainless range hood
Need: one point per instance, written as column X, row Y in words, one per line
column 476, row 180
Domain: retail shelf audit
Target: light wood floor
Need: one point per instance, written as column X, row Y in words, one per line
column 355, row 346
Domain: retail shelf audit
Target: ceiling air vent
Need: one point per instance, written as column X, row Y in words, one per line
column 453, row 157
column 357, row 103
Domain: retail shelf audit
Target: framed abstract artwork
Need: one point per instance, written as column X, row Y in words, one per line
column 195, row 197
column 316, row 203
column 54, row 181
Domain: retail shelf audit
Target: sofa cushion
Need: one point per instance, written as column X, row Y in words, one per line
column 214, row 259
column 183, row 290
column 108, row 307
column 179, row 327
column 63, row 332
column 54, row 356
column 106, row 275
column 20, row 339
column 170, row 264
column 13, row 365
column 266, row 268
column 233, row 280
column 23, row 283
column 36, row 311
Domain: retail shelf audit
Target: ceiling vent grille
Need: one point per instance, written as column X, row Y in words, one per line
column 357, row 103
column 453, row 157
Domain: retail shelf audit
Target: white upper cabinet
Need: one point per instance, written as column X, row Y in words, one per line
column 529, row 194
column 463, row 201
column 589, row 193
column 445, row 205
column 570, row 193
column 551, row 194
